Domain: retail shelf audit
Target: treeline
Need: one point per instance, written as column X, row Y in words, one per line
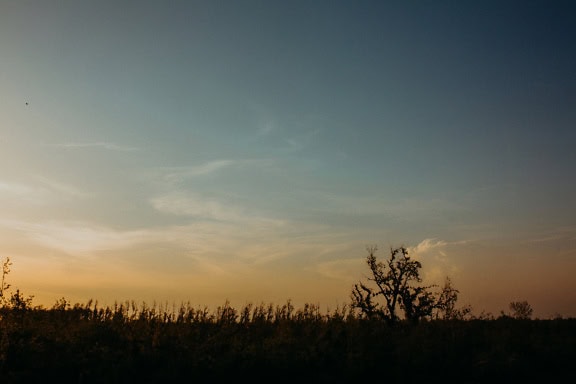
column 129, row 343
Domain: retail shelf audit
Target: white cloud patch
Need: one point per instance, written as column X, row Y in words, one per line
column 426, row 246
column 436, row 259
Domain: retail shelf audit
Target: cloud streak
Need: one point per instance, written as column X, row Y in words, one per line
column 188, row 204
column 11, row 188
column 61, row 188
column 42, row 191
column 76, row 237
column 180, row 174
column 99, row 144
column 215, row 245
column 426, row 246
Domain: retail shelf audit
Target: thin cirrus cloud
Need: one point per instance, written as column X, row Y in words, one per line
column 202, row 208
column 189, row 204
column 41, row 190
column 11, row 188
column 77, row 237
column 371, row 204
column 178, row 174
column 183, row 173
column 60, row 187
column 302, row 141
column 565, row 233
column 222, row 245
column 219, row 227
column 99, row 144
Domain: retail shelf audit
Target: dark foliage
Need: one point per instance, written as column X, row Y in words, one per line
column 266, row 343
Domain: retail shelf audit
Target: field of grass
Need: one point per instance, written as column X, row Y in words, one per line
column 129, row 343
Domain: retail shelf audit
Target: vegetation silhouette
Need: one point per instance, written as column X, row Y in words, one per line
column 131, row 343
column 397, row 282
column 521, row 310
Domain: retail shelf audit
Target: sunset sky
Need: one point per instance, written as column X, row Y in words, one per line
column 250, row 151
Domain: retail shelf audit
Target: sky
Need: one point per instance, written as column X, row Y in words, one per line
column 250, row 151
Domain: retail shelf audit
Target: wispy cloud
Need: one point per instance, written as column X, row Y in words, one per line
column 99, row 144
column 188, row 204
column 75, row 237
column 376, row 204
column 556, row 234
column 214, row 245
column 183, row 173
column 41, row 190
column 178, row 174
column 12, row 188
column 342, row 269
column 436, row 258
column 267, row 127
column 61, row 188
column 302, row 141
column 426, row 246
column 200, row 207
column 290, row 136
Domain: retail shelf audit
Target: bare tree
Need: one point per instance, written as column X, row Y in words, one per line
column 398, row 289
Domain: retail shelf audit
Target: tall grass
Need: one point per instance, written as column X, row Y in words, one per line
column 139, row 343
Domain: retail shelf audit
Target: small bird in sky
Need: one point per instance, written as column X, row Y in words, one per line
column 26, row 103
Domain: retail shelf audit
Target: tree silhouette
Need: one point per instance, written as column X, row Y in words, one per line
column 4, row 286
column 398, row 289
column 521, row 310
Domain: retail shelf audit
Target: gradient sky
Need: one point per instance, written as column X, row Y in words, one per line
column 251, row 150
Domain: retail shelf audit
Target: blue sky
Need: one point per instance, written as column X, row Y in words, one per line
column 251, row 150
